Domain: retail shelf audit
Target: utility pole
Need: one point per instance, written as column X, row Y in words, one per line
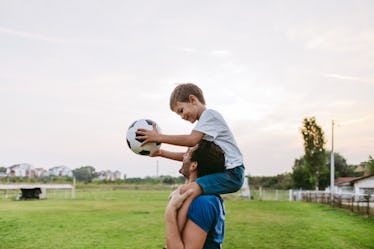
column 157, row 168
column 332, row 165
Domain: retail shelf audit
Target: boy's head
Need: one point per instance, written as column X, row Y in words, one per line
column 208, row 157
column 182, row 93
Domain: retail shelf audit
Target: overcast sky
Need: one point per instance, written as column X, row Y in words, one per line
column 75, row 74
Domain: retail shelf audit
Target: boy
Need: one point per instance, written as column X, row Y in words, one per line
column 187, row 100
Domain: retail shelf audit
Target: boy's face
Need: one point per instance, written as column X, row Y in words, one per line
column 187, row 111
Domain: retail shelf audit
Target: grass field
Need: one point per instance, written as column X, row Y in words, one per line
column 134, row 219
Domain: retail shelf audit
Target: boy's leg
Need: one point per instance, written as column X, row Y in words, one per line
column 182, row 212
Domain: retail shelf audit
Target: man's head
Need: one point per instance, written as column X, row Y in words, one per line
column 203, row 159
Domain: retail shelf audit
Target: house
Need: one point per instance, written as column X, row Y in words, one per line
column 21, row 170
column 40, row 172
column 355, row 185
column 109, row 175
column 364, row 185
column 60, row 171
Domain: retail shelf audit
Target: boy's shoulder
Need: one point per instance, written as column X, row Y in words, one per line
column 209, row 111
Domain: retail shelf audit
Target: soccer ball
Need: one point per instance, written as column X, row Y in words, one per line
column 135, row 144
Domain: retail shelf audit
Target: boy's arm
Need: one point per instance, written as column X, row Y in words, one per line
column 182, row 140
column 177, row 156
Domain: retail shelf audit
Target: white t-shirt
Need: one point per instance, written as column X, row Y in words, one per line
column 215, row 129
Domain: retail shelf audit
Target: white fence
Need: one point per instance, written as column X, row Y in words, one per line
column 12, row 191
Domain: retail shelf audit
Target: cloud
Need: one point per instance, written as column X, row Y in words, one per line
column 50, row 39
column 345, row 77
column 28, row 35
column 220, row 53
column 333, row 39
column 188, row 50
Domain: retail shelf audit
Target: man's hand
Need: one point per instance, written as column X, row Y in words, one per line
column 176, row 199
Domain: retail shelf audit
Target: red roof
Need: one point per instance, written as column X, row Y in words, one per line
column 345, row 180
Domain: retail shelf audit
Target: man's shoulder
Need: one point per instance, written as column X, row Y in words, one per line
column 207, row 199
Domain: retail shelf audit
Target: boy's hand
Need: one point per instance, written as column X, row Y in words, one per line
column 147, row 136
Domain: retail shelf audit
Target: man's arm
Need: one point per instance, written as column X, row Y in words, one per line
column 193, row 236
column 182, row 212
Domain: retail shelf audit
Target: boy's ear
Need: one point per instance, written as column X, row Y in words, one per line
column 192, row 98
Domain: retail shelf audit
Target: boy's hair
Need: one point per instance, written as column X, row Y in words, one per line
column 210, row 158
column 182, row 93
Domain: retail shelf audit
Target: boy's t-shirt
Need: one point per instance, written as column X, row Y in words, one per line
column 208, row 212
column 215, row 129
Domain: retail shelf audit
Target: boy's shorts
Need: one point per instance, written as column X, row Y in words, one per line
column 226, row 182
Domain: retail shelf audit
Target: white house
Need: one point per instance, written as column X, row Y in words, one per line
column 364, row 185
column 60, row 171
column 21, row 170
column 40, row 172
column 355, row 185
column 109, row 175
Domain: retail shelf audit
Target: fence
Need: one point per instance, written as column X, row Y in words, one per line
column 362, row 204
column 13, row 191
column 270, row 194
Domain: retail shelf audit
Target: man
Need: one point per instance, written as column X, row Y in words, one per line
column 206, row 214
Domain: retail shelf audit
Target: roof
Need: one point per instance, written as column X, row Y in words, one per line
column 348, row 181
column 344, row 181
column 362, row 178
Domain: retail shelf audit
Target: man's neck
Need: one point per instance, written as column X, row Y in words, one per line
column 191, row 178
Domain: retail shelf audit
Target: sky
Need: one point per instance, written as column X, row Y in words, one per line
column 75, row 74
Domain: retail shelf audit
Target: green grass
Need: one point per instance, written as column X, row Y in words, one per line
column 134, row 219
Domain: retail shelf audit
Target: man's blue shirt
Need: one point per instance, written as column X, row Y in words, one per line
column 208, row 212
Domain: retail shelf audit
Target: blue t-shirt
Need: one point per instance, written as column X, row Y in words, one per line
column 208, row 212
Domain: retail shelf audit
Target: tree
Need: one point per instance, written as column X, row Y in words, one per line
column 315, row 156
column 369, row 165
column 2, row 169
column 300, row 174
column 85, row 174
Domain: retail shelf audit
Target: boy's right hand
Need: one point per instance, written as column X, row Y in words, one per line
column 148, row 136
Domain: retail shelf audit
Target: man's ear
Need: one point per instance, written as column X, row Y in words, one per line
column 193, row 166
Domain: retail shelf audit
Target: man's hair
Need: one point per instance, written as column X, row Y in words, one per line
column 210, row 158
column 182, row 92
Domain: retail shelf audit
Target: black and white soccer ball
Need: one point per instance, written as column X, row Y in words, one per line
column 135, row 144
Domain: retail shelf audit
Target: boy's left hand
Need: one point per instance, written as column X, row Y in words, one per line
column 147, row 136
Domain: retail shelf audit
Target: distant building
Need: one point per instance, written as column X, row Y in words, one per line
column 21, row 170
column 40, row 172
column 60, row 171
column 108, row 175
column 361, row 168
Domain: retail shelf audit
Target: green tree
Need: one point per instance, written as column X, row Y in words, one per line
column 342, row 169
column 2, row 169
column 315, row 156
column 300, row 174
column 85, row 174
column 369, row 165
